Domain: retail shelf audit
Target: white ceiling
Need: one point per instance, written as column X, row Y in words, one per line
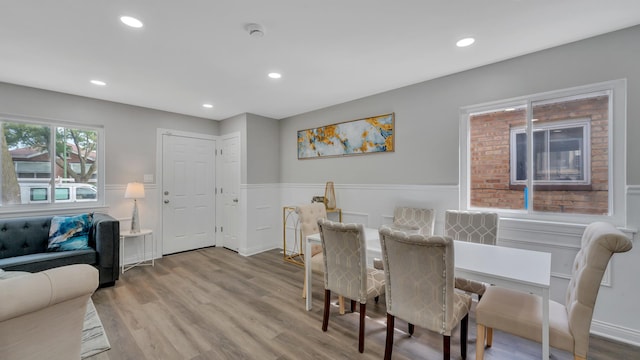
column 330, row 51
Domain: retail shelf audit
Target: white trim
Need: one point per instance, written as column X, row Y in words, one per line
column 615, row 332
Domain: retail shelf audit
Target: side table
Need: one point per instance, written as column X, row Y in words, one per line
column 144, row 233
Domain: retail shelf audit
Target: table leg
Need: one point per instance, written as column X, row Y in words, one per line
column 122, row 254
column 307, row 270
column 545, row 324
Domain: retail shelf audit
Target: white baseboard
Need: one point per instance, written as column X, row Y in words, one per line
column 615, row 332
column 256, row 250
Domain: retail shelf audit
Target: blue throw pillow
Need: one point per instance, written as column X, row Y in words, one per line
column 70, row 232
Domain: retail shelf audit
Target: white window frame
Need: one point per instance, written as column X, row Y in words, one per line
column 617, row 90
column 556, row 125
column 61, row 206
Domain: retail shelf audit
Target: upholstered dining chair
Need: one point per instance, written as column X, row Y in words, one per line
column 472, row 226
column 413, row 220
column 345, row 269
column 308, row 216
column 569, row 323
column 419, row 287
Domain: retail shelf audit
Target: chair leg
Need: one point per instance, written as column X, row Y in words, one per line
column 363, row 311
column 353, row 306
column 341, row 304
column 464, row 331
column 411, row 328
column 489, row 337
column 446, row 347
column 480, row 342
column 578, row 357
column 388, row 347
column 327, row 305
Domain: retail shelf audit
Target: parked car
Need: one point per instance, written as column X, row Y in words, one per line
column 34, row 193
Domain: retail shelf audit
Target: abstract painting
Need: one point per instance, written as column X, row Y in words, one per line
column 356, row 137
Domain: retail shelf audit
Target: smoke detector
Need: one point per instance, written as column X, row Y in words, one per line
column 255, row 30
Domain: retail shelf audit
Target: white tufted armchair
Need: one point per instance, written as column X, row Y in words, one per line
column 569, row 323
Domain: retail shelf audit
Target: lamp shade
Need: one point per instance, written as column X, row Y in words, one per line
column 135, row 190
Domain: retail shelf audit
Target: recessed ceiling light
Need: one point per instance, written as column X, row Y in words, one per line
column 275, row 75
column 98, row 82
column 465, row 42
column 131, row 21
column 208, row 106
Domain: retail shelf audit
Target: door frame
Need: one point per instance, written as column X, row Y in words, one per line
column 160, row 132
column 219, row 201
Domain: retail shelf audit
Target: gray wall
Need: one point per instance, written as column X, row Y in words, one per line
column 263, row 150
column 238, row 124
column 427, row 114
column 130, row 131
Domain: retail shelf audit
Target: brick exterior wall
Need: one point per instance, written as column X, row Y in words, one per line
column 490, row 159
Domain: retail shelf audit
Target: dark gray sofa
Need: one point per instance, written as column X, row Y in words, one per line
column 23, row 247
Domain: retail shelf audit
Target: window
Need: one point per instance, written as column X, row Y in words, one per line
column 86, row 194
column 547, row 155
column 63, row 194
column 50, row 163
column 560, row 151
column 39, row 194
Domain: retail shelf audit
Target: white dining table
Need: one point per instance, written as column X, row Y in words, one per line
column 519, row 269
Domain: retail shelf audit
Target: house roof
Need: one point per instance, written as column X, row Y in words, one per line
column 328, row 52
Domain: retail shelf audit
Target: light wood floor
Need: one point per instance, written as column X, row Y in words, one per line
column 214, row 304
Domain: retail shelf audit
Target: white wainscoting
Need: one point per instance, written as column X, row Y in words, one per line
column 263, row 220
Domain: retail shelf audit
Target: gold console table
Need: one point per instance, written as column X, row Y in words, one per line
column 297, row 257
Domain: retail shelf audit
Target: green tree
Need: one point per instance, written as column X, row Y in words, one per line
column 67, row 141
column 8, row 179
column 84, row 144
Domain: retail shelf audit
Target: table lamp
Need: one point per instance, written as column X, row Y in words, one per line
column 135, row 190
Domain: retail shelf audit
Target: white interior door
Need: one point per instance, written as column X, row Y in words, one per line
column 188, row 193
column 230, row 191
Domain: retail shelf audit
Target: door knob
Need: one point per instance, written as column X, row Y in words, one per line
column 166, row 201
column 235, row 200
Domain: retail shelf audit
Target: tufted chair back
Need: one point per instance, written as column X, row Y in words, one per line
column 308, row 216
column 472, row 226
column 20, row 237
column 412, row 219
column 599, row 242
